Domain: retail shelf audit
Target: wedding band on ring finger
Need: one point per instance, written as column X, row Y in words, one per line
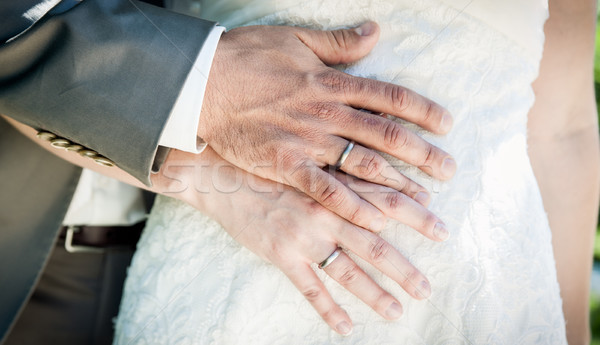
column 330, row 258
column 345, row 154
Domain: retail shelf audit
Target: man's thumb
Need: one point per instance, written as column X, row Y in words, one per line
column 341, row 46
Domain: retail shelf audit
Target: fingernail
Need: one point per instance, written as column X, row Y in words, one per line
column 448, row 167
column 440, row 231
column 394, row 311
column 422, row 198
column 424, row 289
column 447, row 122
column 365, row 29
column 377, row 224
column 344, row 328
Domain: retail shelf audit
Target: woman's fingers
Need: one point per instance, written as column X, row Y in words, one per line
column 368, row 165
column 333, row 195
column 398, row 206
column 385, row 258
column 354, row 279
column 305, row 280
column 347, row 273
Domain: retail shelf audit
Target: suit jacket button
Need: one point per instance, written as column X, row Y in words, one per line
column 104, row 161
column 74, row 148
column 45, row 135
column 60, row 143
column 88, row 153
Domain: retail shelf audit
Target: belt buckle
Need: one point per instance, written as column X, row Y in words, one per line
column 76, row 248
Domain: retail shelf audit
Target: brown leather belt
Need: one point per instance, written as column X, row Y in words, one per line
column 95, row 239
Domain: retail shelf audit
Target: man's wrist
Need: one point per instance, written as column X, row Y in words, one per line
column 181, row 129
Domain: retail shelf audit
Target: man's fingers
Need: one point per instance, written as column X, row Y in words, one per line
column 382, row 134
column 305, row 280
column 381, row 97
column 385, row 258
column 333, row 195
column 398, row 206
column 368, row 165
column 354, row 279
column 341, row 46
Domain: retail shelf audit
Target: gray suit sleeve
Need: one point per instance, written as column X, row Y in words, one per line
column 104, row 74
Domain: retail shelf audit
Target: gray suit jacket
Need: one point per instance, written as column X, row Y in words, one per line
column 101, row 73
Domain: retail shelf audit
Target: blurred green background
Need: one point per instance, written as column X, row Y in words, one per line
column 595, row 296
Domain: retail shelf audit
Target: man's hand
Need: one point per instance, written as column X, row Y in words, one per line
column 274, row 108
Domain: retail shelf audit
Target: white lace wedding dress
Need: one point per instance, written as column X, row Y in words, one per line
column 493, row 281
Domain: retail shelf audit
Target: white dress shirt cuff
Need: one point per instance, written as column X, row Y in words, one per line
column 181, row 129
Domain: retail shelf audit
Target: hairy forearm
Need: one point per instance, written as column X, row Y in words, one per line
column 205, row 181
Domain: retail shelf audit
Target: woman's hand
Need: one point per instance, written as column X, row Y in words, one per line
column 291, row 230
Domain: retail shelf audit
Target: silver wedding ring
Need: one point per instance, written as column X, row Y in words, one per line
column 330, row 258
column 345, row 154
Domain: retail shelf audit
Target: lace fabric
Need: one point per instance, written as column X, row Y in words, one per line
column 493, row 281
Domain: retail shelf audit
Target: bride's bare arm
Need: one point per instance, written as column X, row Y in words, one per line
column 564, row 150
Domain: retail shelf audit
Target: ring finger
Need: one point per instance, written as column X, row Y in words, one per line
column 380, row 133
column 305, row 279
column 354, row 279
column 368, row 165
column 382, row 255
